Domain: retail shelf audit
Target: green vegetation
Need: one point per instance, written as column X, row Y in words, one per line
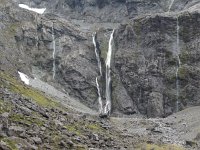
column 74, row 128
column 4, row 106
column 158, row 147
column 80, row 147
column 17, row 87
column 10, row 143
column 27, row 120
column 94, row 127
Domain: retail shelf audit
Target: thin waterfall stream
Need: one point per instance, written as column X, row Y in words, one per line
column 99, row 97
column 104, row 110
column 54, row 52
column 100, row 71
column 97, row 53
column 170, row 6
column 178, row 65
column 107, row 108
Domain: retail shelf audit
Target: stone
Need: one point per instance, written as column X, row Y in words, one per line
column 5, row 115
column 25, row 111
column 57, row 122
column 96, row 137
column 43, row 128
column 15, row 130
column 37, row 140
column 70, row 143
column 4, row 146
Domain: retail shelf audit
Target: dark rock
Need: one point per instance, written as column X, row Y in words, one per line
column 70, row 143
column 103, row 115
column 63, row 144
column 191, row 143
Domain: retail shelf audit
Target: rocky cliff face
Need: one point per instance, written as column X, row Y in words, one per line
column 147, row 62
column 147, row 45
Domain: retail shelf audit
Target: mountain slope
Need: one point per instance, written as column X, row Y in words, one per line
column 32, row 120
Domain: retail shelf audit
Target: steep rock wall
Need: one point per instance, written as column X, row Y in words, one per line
column 144, row 61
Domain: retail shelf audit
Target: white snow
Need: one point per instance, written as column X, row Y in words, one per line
column 37, row 10
column 24, row 77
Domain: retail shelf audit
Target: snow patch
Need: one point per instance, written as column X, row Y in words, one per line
column 24, row 77
column 37, row 10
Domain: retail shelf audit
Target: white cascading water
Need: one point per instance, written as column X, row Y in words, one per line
column 99, row 97
column 100, row 71
column 97, row 53
column 178, row 65
column 170, row 6
column 54, row 52
column 37, row 10
column 107, row 108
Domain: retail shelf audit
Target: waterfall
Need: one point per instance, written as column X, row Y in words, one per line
column 37, row 38
column 54, row 52
column 99, row 97
column 100, row 71
column 108, row 76
column 106, row 110
column 178, row 65
column 97, row 53
column 170, row 6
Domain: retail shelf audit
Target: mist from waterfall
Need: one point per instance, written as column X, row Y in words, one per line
column 100, row 71
column 178, row 65
column 170, row 6
column 107, row 108
column 54, row 52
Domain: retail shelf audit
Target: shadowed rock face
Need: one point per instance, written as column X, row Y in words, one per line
column 144, row 60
